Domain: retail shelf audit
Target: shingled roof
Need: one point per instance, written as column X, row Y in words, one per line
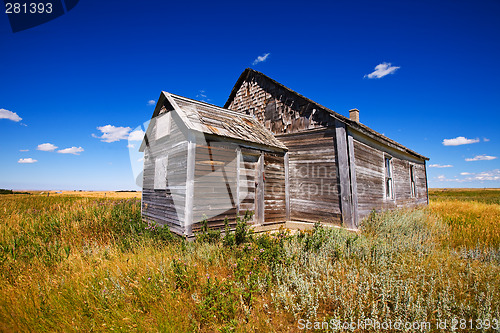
column 213, row 120
column 248, row 73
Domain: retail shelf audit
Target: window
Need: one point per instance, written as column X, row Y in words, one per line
column 389, row 187
column 160, row 180
column 412, row 181
column 163, row 125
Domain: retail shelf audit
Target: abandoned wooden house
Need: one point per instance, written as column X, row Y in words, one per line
column 274, row 152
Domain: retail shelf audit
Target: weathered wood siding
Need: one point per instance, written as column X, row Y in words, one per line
column 276, row 108
column 314, row 194
column 422, row 196
column 218, row 184
column 215, row 184
column 370, row 179
column 274, row 188
column 165, row 206
column 248, row 170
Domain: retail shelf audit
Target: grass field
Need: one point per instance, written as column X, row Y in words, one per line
column 76, row 263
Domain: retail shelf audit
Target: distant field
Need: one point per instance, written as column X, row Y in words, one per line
column 79, row 262
column 490, row 195
column 91, row 194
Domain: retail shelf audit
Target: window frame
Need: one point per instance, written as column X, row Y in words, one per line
column 388, row 178
column 413, row 183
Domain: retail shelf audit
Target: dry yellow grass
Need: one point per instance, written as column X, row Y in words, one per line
column 91, row 194
column 471, row 223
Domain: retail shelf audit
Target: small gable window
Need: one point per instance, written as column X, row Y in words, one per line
column 163, row 125
column 389, row 186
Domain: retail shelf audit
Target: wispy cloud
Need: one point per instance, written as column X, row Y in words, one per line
column 492, row 175
column 261, row 58
column 24, row 150
column 440, row 166
column 26, row 160
column 6, row 114
column 458, row 141
column 46, row 147
column 481, row 176
column 483, row 157
column 486, row 139
column 202, row 96
column 112, row 133
column 382, row 70
column 151, row 102
column 72, row 150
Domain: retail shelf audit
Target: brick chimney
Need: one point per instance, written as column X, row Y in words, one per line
column 354, row 115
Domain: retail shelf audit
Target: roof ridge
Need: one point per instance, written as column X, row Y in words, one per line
column 231, row 112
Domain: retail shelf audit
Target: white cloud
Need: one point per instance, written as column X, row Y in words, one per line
column 261, row 58
column 46, row 147
column 6, row 114
column 112, row 133
column 483, row 157
column 137, row 135
column 72, row 150
column 482, row 176
column 24, row 150
column 458, row 141
column 27, row 160
column 486, row 139
column 130, row 145
column 151, row 102
column 440, row 166
column 492, row 175
column 382, row 70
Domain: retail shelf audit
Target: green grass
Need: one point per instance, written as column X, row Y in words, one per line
column 82, row 264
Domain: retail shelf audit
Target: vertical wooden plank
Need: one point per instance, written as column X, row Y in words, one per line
column 188, row 208
column 259, row 191
column 238, row 166
column 426, row 184
column 354, row 184
column 344, row 177
column 287, row 187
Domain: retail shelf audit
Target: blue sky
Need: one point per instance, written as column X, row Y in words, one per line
column 95, row 69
